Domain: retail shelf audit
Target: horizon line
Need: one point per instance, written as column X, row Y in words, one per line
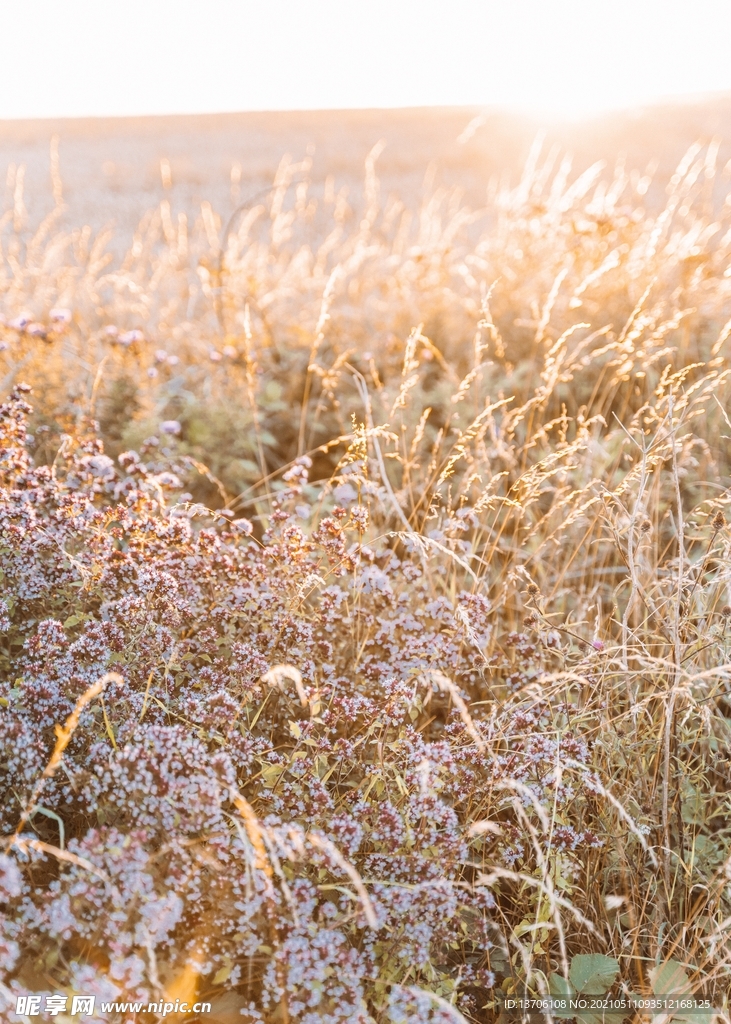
column 684, row 99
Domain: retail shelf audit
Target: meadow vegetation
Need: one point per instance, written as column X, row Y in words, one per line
column 366, row 601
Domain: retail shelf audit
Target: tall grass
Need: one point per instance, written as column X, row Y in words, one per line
column 421, row 583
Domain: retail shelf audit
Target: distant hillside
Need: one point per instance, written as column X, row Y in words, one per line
column 111, row 167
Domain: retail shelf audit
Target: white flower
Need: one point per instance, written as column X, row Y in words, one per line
column 100, row 466
column 129, row 337
column 168, row 480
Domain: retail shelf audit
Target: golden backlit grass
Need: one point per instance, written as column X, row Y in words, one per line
column 534, row 395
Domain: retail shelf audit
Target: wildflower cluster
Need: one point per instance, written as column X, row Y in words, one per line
column 351, row 761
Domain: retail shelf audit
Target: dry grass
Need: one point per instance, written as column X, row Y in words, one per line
column 529, row 402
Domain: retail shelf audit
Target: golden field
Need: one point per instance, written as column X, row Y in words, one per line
column 389, row 507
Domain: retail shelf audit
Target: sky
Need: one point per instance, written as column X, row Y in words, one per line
column 71, row 58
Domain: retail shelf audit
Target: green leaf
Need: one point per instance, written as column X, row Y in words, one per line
column 38, row 809
column 593, row 973
column 558, row 986
column 222, row 974
column 670, row 979
column 271, row 774
column 595, row 1018
column 526, row 925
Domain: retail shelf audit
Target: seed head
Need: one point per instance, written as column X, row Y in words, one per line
column 719, row 521
column 534, row 590
column 530, row 620
column 646, row 526
column 726, row 611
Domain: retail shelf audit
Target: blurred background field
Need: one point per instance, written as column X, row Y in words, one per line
column 176, row 302
column 111, row 167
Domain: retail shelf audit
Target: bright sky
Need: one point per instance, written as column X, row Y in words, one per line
column 63, row 58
